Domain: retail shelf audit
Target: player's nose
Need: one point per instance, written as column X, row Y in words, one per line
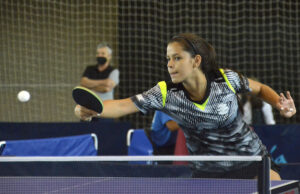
column 170, row 63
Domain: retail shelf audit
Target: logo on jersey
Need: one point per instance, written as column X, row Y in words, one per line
column 139, row 97
column 222, row 109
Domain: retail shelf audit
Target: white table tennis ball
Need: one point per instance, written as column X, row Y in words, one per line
column 23, row 96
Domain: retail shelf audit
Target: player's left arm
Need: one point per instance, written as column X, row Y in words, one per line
column 284, row 104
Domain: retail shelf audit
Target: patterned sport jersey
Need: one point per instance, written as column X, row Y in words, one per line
column 213, row 126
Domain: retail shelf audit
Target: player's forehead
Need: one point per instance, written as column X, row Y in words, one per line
column 175, row 48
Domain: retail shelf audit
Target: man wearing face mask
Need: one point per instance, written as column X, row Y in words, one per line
column 102, row 77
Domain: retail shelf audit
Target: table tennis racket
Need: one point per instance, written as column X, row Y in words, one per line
column 87, row 98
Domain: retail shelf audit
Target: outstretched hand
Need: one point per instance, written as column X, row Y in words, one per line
column 84, row 113
column 286, row 105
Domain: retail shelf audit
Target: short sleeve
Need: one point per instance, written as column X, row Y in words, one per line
column 114, row 75
column 149, row 100
column 239, row 82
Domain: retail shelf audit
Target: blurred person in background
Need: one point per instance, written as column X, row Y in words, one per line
column 163, row 133
column 102, row 77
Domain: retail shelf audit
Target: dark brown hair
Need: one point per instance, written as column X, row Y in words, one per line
column 196, row 45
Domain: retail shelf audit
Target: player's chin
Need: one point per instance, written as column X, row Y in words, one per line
column 175, row 81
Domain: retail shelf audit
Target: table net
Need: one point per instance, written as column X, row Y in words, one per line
column 127, row 174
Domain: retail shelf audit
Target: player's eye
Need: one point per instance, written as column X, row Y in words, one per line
column 168, row 59
column 177, row 58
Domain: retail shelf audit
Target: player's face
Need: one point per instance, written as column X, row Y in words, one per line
column 103, row 52
column 180, row 63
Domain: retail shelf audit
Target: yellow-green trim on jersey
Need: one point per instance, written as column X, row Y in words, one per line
column 163, row 90
column 202, row 106
column 226, row 80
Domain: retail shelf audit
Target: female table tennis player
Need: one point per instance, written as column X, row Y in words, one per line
column 203, row 99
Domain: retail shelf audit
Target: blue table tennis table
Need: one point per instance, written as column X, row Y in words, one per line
column 116, row 185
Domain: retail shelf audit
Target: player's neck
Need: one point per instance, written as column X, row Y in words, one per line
column 196, row 87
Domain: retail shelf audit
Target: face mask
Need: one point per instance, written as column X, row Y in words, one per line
column 101, row 60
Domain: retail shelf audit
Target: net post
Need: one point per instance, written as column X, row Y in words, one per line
column 264, row 176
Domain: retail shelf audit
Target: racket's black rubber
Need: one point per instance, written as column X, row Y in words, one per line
column 87, row 98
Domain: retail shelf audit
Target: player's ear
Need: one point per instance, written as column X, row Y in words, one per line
column 197, row 61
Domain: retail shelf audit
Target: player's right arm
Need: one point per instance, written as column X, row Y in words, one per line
column 118, row 108
column 111, row 109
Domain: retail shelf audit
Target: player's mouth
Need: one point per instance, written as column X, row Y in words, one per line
column 173, row 74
